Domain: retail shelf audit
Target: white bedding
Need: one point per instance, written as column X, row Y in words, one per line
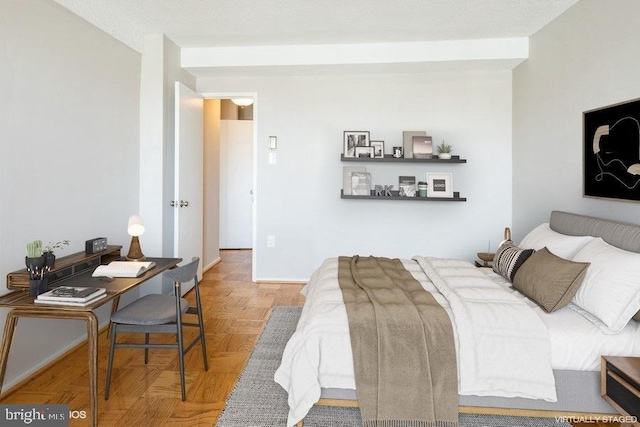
column 577, row 342
column 319, row 353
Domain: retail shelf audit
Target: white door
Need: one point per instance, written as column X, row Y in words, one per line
column 236, row 181
column 188, row 200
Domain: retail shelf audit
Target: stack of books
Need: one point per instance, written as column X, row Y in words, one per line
column 73, row 296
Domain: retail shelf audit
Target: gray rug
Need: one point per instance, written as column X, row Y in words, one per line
column 258, row 401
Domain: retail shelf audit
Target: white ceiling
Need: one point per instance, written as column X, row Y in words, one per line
column 200, row 23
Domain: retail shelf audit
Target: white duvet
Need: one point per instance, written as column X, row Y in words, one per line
column 502, row 346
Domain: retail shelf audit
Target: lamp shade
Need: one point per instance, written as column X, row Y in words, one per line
column 135, row 227
column 242, row 102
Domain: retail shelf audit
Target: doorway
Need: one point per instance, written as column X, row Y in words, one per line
column 229, row 173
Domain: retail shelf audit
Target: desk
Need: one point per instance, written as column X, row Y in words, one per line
column 22, row 305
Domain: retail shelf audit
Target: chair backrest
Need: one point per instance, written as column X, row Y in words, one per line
column 184, row 273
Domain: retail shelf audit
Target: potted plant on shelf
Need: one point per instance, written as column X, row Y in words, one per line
column 444, row 150
column 48, row 254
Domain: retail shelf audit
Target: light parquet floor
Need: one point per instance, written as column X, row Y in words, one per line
column 236, row 311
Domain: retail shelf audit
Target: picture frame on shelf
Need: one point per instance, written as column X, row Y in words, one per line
column 365, row 152
column 440, row 185
column 360, row 184
column 422, row 147
column 378, row 149
column 407, row 186
column 353, row 139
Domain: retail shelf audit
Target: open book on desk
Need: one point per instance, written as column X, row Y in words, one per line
column 123, row 269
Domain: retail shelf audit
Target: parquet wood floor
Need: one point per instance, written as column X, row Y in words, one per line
column 236, row 310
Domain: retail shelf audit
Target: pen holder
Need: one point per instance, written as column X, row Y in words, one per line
column 38, row 286
column 38, row 279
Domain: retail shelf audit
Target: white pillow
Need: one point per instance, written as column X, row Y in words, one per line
column 611, row 288
column 558, row 244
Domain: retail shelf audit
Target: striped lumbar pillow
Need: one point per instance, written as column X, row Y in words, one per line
column 509, row 258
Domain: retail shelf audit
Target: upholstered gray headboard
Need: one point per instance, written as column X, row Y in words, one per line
column 622, row 235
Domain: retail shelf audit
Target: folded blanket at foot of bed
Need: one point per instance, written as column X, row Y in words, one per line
column 402, row 340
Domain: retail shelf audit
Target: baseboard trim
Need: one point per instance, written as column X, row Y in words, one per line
column 211, row 265
column 283, row 282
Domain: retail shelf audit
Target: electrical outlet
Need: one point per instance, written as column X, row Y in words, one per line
column 271, row 241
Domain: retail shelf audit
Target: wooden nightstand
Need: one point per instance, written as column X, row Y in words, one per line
column 620, row 383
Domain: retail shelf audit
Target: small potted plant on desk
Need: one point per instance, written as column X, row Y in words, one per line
column 444, row 150
column 48, row 254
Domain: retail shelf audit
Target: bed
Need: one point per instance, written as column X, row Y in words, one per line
column 317, row 365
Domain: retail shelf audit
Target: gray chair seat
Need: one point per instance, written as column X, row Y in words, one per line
column 150, row 310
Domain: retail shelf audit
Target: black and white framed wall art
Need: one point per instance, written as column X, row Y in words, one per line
column 378, row 149
column 366, row 152
column 612, row 151
column 439, row 185
column 353, row 139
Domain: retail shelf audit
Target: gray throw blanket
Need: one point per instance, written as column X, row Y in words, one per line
column 403, row 350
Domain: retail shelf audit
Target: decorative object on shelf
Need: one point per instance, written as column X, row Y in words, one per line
column 383, row 191
column 444, row 150
column 346, row 177
column 135, row 228
column 353, row 139
column 97, row 244
column 397, row 152
column 422, row 189
column 361, row 184
column 378, row 149
column 439, row 184
column 422, row 147
column 407, row 186
column 37, row 267
column 611, row 155
column 407, row 141
column 366, row 152
column 48, row 252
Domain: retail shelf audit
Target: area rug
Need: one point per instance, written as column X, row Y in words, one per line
column 258, row 401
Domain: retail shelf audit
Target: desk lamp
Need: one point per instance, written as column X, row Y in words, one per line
column 135, row 229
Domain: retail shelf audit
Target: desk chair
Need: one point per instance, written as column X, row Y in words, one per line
column 157, row 314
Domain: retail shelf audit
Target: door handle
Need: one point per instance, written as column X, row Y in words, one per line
column 172, row 204
column 184, row 203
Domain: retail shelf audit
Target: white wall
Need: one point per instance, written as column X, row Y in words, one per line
column 298, row 199
column 587, row 58
column 69, row 97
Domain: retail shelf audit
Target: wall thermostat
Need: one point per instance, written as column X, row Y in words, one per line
column 95, row 245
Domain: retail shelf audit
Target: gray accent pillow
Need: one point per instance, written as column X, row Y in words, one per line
column 548, row 280
column 509, row 258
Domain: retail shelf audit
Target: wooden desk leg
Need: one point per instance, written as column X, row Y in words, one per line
column 114, row 308
column 7, row 340
column 92, row 338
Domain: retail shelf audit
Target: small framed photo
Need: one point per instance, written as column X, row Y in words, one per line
column 378, row 149
column 439, row 185
column 353, row 139
column 366, row 152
